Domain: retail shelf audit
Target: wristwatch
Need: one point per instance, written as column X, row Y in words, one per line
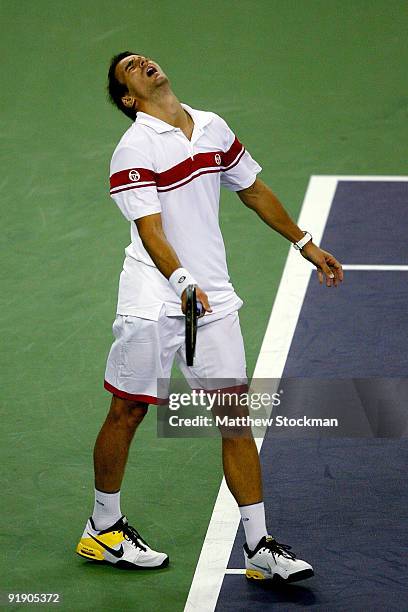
column 306, row 238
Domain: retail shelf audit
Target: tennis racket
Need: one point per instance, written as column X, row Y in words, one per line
column 194, row 310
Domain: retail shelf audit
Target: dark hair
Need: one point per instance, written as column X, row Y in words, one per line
column 116, row 89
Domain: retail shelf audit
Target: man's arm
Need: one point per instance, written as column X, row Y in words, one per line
column 260, row 198
column 162, row 253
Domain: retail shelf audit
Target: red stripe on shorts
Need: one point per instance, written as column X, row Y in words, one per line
column 146, row 399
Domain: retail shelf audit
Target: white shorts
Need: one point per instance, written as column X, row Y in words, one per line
column 141, row 357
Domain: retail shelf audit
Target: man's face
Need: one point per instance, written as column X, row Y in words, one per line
column 141, row 75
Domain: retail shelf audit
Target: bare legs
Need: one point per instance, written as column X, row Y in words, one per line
column 239, row 454
column 113, row 442
column 242, row 470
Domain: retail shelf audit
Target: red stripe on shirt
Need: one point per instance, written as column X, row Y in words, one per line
column 191, row 178
column 182, row 173
column 131, row 175
column 234, row 150
column 135, row 186
column 184, row 170
column 188, row 180
column 236, row 160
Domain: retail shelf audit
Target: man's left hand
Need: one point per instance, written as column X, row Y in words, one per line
column 327, row 265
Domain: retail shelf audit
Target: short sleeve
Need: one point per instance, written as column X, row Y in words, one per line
column 133, row 183
column 239, row 168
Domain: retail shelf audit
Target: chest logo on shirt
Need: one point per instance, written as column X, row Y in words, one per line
column 134, row 175
column 217, row 159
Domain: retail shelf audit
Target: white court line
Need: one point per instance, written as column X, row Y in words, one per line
column 381, row 268
column 377, row 177
column 224, row 522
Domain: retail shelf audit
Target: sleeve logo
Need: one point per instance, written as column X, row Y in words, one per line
column 217, row 159
column 134, row 175
column 181, row 279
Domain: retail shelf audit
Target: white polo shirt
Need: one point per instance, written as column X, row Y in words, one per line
column 156, row 169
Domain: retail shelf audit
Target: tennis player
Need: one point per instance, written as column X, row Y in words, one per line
column 165, row 177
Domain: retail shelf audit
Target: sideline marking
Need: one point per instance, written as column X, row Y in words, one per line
column 381, row 268
column 212, row 563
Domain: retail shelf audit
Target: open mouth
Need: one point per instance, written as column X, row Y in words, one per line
column 151, row 70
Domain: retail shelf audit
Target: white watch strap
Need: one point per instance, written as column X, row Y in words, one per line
column 301, row 243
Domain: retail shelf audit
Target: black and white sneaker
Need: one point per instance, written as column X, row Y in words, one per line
column 271, row 559
column 120, row 545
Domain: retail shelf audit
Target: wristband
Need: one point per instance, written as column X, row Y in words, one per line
column 303, row 241
column 180, row 280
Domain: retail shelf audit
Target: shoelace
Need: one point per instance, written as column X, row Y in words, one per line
column 279, row 549
column 134, row 537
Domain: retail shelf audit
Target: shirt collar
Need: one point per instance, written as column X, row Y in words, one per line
column 200, row 118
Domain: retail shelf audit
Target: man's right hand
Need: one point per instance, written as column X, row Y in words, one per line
column 201, row 297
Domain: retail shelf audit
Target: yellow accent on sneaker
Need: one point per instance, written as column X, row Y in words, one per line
column 89, row 548
column 89, row 552
column 254, row 575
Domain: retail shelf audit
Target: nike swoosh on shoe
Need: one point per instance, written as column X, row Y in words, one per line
column 265, row 569
column 118, row 553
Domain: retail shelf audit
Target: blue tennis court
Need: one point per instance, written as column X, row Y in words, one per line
column 341, row 502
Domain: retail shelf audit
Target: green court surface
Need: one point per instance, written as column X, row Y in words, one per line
column 310, row 87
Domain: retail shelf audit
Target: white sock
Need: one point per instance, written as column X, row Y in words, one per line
column 253, row 520
column 106, row 510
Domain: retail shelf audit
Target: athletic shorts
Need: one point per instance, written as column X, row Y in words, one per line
column 140, row 360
